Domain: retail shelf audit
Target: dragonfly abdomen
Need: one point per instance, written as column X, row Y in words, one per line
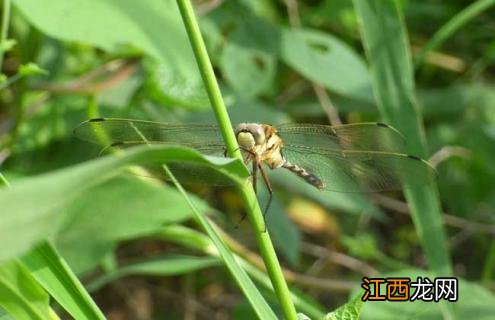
column 308, row 177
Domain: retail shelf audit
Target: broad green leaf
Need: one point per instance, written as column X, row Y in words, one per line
column 151, row 25
column 119, row 209
column 349, row 311
column 248, row 60
column 24, row 223
column 171, row 89
column 385, row 40
column 161, row 266
column 154, row 26
column 257, row 34
column 51, row 271
column 248, row 71
column 20, row 294
column 326, row 60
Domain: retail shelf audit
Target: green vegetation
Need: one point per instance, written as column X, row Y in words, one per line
column 117, row 234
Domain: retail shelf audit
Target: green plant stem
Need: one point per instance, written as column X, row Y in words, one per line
column 259, row 305
column 249, row 197
column 4, row 181
column 209, row 79
column 454, row 24
column 93, row 110
column 4, row 27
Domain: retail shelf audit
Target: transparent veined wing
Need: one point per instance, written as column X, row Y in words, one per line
column 369, row 136
column 128, row 132
column 360, row 171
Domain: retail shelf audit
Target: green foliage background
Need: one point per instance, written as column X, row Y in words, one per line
column 426, row 67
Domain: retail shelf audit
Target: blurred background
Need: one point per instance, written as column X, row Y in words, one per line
column 277, row 62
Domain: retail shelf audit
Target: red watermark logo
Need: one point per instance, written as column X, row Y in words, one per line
column 403, row 289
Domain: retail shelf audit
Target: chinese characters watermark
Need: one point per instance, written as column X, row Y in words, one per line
column 403, row 289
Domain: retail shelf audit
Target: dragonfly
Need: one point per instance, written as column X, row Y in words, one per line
column 357, row 157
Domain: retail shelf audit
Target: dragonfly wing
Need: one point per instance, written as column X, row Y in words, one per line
column 360, row 171
column 126, row 132
column 359, row 136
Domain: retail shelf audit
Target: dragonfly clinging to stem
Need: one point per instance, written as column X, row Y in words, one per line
column 360, row 157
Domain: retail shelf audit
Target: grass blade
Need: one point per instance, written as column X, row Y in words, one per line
column 56, row 277
column 169, row 265
column 21, row 295
column 386, row 44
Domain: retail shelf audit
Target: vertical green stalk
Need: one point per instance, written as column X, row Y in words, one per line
column 386, row 45
column 384, row 36
column 4, row 28
column 251, row 203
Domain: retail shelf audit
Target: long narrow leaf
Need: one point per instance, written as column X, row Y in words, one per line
column 170, row 265
column 20, row 295
column 51, row 271
column 386, row 45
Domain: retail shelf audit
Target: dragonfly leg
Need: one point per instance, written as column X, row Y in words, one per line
column 254, row 175
column 225, row 151
column 270, row 192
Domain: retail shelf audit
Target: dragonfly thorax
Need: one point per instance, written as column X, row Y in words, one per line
column 261, row 142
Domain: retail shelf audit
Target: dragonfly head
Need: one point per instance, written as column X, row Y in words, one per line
column 250, row 134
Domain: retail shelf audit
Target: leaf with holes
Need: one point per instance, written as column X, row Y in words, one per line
column 326, row 60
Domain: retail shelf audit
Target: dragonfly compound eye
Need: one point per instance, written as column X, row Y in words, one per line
column 258, row 133
column 245, row 139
